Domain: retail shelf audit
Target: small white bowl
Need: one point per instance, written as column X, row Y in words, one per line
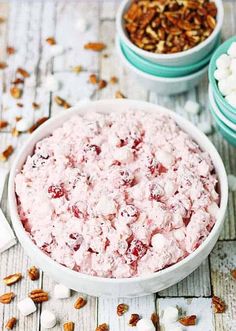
column 218, row 113
column 188, row 57
column 124, row 287
column 162, row 85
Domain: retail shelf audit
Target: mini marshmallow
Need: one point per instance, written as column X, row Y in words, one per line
column 145, row 325
column 223, row 62
column 232, row 50
column 23, row 125
column 170, row 315
column 123, row 154
column 205, row 127
column 7, row 237
column 106, row 206
column 165, row 158
column 55, row 50
column 26, row 306
column 81, row 25
column 51, row 84
column 232, row 182
column 231, row 99
column 231, row 80
column 224, row 86
column 48, row 319
column 192, row 107
column 220, row 74
column 233, row 66
column 213, row 209
column 61, row 291
column 173, row 328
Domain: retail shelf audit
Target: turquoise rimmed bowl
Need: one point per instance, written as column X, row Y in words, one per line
column 224, row 106
column 156, row 69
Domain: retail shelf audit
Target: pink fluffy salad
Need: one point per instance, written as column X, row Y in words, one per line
column 118, row 195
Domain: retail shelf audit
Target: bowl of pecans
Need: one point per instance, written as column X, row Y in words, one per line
column 170, row 32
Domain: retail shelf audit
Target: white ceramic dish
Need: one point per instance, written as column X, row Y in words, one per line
column 188, row 57
column 218, row 113
column 162, row 85
column 126, row 287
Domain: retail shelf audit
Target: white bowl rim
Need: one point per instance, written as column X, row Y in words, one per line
column 156, row 56
column 223, row 118
column 158, row 78
column 145, row 106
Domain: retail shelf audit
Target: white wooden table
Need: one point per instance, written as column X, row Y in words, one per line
column 28, row 24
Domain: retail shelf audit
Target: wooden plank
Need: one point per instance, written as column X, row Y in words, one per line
column 223, row 260
column 143, row 306
column 201, row 307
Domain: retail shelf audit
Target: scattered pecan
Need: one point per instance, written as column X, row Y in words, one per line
column 5, row 155
column 113, row 80
column 102, row 84
column 33, row 273
column 134, row 318
column 3, row 124
column 23, row 72
column 16, row 92
column 39, row 295
column 37, row 124
column 219, row 305
column 77, row 69
column 121, row 309
column 2, row 19
column 93, row 79
column 61, row 102
column 18, row 81
column 14, row 278
column 188, row 320
column 15, row 132
column 102, row 327
column 169, row 26
column 3, row 65
column 10, row 50
column 155, row 320
column 7, row 297
column 51, row 41
column 19, row 104
column 233, row 273
column 11, row 323
column 35, row 105
column 69, row 326
column 95, row 46
column 119, row 95
column 18, row 118
column 80, row 303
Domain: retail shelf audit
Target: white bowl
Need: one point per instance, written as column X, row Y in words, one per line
column 184, row 58
column 126, row 287
column 162, row 85
column 218, row 113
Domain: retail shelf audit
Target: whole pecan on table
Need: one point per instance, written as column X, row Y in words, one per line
column 169, row 26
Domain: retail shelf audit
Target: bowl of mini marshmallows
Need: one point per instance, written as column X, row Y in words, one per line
column 222, row 87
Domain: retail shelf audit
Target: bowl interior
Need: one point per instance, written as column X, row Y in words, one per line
column 105, row 106
column 162, row 70
column 212, row 67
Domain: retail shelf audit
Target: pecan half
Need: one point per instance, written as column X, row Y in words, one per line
column 69, row 326
column 155, row 320
column 3, row 65
column 61, row 102
column 95, row 46
column 23, row 72
column 119, row 95
column 38, row 295
column 113, row 80
column 15, row 132
column 16, row 92
column 51, row 41
column 233, row 273
column 11, row 323
column 4, row 156
column 7, row 297
column 33, row 273
column 3, row 124
column 134, row 318
column 37, row 124
column 35, row 105
column 102, row 84
column 219, row 305
column 121, row 309
column 102, row 327
column 10, row 50
column 12, row 279
column 93, row 79
column 77, row 69
column 80, row 303
column 188, row 320
column 18, row 81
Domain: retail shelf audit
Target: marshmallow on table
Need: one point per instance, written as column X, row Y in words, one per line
column 81, row 25
column 61, row 291
column 55, row 50
column 48, row 319
column 192, row 107
column 51, row 84
column 223, row 61
column 232, row 50
column 205, row 127
column 23, row 125
column 7, row 237
column 174, row 328
column 145, row 325
column 26, row 306
column 170, row 315
column 232, row 182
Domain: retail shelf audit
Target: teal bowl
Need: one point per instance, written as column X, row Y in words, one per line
column 226, row 132
column 224, row 106
column 156, row 69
